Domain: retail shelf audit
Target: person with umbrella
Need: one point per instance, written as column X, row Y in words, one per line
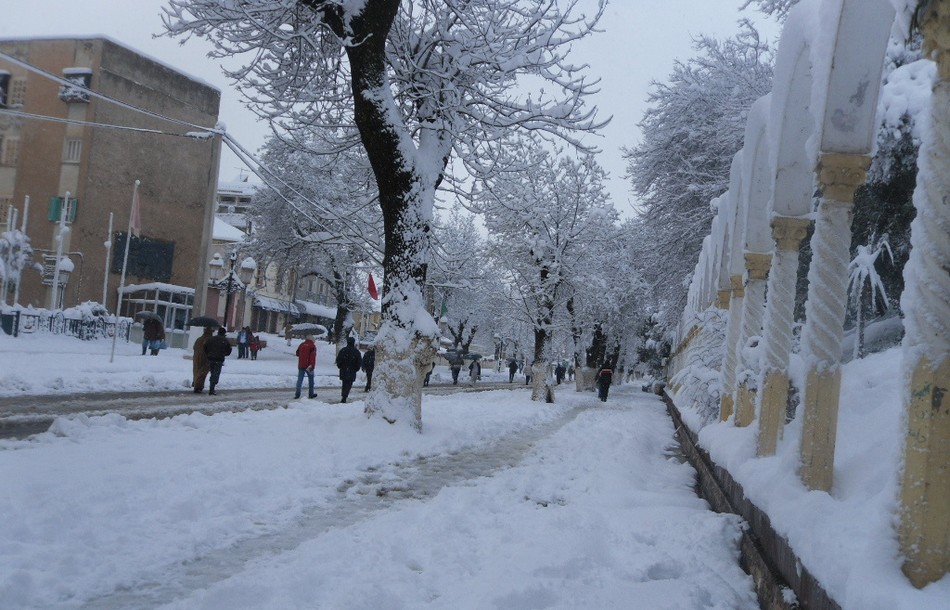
column 216, row 348
column 200, row 366
column 348, row 361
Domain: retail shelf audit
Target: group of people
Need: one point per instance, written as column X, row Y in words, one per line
column 248, row 344
column 210, row 351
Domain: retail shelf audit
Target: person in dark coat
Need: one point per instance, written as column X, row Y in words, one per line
column 243, row 340
column 306, row 361
column 153, row 331
column 425, row 382
column 369, row 363
column 348, row 361
column 559, row 371
column 217, row 348
column 604, row 376
column 512, row 369
column 456, row 367
column 200, row 367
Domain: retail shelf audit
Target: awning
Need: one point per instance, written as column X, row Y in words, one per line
column 272, row 304
column 315, row 309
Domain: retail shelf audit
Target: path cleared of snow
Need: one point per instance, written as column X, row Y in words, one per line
column 500, row 503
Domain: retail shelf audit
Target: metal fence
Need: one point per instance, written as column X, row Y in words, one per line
column 19, row 322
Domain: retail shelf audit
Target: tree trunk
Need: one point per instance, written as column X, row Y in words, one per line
column 541, row 389
column 407, row 339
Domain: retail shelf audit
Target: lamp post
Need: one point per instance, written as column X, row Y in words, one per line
column 232, row 282
column 230, row 288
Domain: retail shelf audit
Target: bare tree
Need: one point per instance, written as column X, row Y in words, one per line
column 422, row 80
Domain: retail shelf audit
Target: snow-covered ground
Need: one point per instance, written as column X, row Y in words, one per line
column 500, row 503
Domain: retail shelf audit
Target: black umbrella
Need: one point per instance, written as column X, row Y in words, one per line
column 203, row 321
column 148, row 315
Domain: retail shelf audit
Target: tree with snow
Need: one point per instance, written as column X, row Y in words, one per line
column 15, row 255
column 318, row 217
column 864, row 285
column 541, row 221
column 423, row 81
column 695, row 124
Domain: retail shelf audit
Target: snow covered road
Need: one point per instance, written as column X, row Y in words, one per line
column 501, row 503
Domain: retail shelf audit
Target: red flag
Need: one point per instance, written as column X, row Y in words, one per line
column 372, row 288
column 135, row 218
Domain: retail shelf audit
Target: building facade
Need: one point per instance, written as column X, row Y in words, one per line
column 57, row 139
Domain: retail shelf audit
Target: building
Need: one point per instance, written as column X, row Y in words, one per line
column 57, row 139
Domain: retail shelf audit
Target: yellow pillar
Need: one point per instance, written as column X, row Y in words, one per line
column 839, row 174
column 924, row 531
column 757, row 270
column 726, row 404
column 788, row 233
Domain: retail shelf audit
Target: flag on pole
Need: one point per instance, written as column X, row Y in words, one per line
column 135, row 218
column 372, row 288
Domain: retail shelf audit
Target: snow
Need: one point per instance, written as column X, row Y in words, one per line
column 224, row 232
column 501, row 502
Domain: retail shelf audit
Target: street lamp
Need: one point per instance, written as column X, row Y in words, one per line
column 231, row 282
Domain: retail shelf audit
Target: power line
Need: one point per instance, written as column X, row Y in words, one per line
column 53, row 119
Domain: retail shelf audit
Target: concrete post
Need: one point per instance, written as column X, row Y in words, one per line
column 753, row 309
column 839, row 174
column 924, row 531
column 788, row 233
column 727, row 405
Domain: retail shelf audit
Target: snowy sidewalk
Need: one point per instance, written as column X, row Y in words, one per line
column 501, row 503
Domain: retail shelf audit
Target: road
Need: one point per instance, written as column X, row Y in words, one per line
column 22, row 416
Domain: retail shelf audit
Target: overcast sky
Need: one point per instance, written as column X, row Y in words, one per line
column 640, row 42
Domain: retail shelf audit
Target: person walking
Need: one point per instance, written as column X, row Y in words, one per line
column 474, row 372
column 306, row 361
column 369, row 363
column 559, row 371
column 527, row 373
column 242, row 342
column 456, row 366
column 604, row 376
column 153, row 333
column 425, row 382
column 348, row 361
column 288, row 333
column 199, row 363
column 216, row 348
column 512, row 369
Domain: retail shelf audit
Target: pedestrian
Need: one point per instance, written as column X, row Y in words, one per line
column 288, row 333
column 348, row 361
column 369, row 363
column 254, row 345
column 456, row 366
column 425, row 382
column 559, row 371
column 306, row 361
column 604, row 376
column 242, row 342
column 474, row 372
column 570, row 373
column 512, row 369
column 199, row 364
column 153, row 335
column 216, row 348
column 527, row 373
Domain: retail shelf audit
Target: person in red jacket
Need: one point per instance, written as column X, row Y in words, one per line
column 306, row 360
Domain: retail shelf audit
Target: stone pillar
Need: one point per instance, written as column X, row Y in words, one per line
column 839, row 174
column 728, row 372
column 753, row 309
column 788, row 233
column 924, row 532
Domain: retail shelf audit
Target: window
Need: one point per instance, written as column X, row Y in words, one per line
column 4, row 88
column 56, row 204
column 17, row 96
column 72, row 150
column 5, row 203
column 80, row 78
column 9, row 151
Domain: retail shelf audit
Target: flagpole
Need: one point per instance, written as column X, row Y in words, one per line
column 105, row 269
column 125, row 262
